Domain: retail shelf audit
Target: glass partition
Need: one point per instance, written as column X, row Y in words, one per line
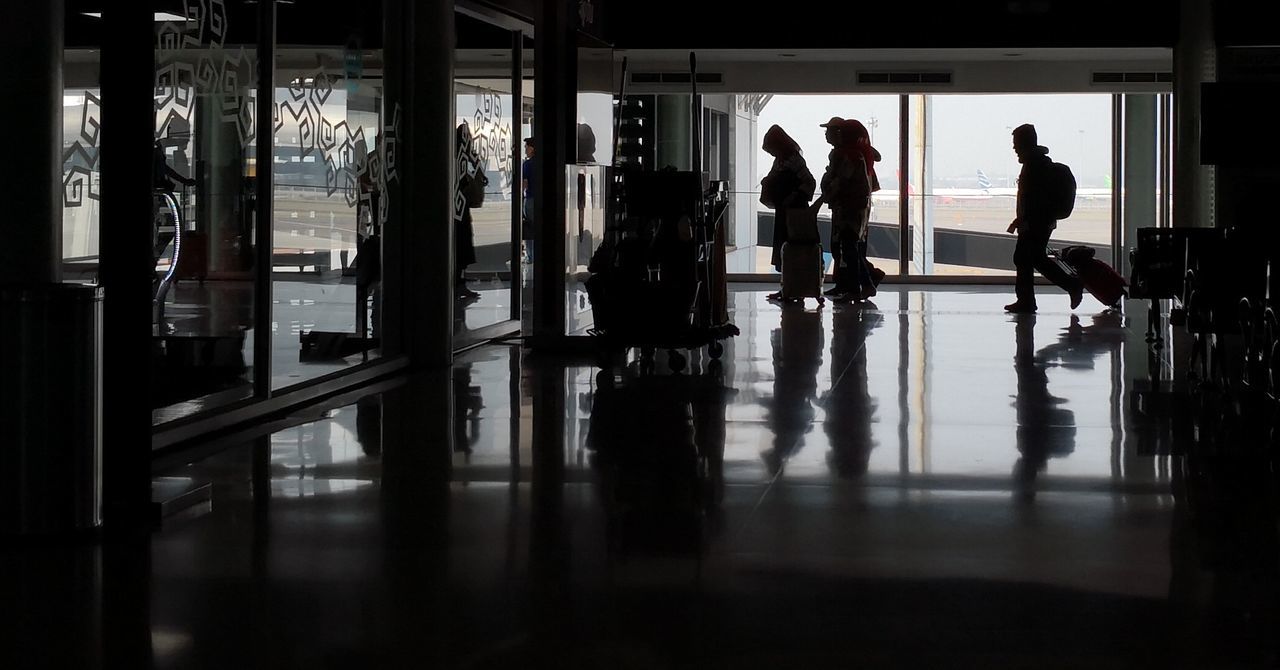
column 205, row 194
column 802, row 116
column 971, row 176
column 587, row 182
column 333, row 157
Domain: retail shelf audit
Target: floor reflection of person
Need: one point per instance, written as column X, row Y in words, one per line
column 849, row 407
column 1044, row 430
column 467, row 403
column 797, row 356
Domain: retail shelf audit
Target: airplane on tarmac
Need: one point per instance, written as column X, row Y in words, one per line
column 985, row 190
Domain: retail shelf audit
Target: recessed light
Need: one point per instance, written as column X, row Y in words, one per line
column 787, row 55
column 1011, row 55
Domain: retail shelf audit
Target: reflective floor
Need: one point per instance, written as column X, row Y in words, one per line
column 922, row 482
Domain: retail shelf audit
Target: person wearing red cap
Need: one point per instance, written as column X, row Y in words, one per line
column 846, row 189
column 855, row 133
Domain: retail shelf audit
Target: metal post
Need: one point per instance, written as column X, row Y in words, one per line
column 1118, row 142
column 394, row 99
column 265, row 197
column 904, row 183
column 517, row 158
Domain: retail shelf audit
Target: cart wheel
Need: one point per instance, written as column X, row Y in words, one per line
column 715, row 349
column 715, row 368
column 675, row 360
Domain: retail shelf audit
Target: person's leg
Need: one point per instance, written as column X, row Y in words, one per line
column 1024, row 261
column 847, row 277
column 779, row 239
column 1061, row 277
column 866, row 287
column 865, row 281
column 836, row 257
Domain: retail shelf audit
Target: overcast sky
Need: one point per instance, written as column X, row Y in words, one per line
column 970, row 132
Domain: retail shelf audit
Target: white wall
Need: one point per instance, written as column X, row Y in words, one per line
column 742, row 168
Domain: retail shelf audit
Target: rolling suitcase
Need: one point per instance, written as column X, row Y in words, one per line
column 802, row 271
column 1098, row 278
column 1102, row 282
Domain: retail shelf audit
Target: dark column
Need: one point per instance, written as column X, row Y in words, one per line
column 128, row 122
column 425, row 270
column 1194, row 62
column 555, row 71
column 33, row 37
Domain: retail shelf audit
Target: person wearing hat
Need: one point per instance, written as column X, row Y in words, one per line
column 846, row 189
column 1034, row 224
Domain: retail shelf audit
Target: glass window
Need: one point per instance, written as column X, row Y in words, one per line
column 204, row 189
column 971, row 173
column 489, row 181
column 802, row 116
column 333, row 161
column 81, row 176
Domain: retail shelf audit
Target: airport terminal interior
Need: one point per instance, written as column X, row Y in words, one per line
column 479, row 334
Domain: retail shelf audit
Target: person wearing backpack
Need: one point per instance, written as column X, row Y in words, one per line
column 1046, row 193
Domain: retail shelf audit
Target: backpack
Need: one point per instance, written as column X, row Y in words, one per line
column 1061, row 196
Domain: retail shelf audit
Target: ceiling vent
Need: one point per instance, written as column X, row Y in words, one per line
column 675, row 78
column 905, row 78
column 1132, row 77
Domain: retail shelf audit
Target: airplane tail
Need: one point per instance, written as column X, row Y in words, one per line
column 984, row 182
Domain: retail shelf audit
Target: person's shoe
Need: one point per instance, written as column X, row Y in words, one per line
column 1076, row 296
column 773, row 297
column 1020, row 308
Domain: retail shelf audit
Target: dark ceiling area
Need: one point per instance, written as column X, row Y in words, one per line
column 723, row 24
column 711, row 24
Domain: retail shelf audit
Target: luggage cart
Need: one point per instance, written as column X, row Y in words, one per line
column 658, row 278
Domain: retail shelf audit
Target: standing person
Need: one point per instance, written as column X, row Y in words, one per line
column 862, row 142
column 846, row 189
column 471, row 182
column 788, row 184
column 1035, row 223
column 529, row 230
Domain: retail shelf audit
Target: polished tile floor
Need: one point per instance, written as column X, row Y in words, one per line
column 922, row 482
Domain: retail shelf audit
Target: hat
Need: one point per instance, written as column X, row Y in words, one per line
column 1026, row 134
column 835, row 122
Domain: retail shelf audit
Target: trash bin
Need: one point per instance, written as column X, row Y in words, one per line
column 50, row 409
